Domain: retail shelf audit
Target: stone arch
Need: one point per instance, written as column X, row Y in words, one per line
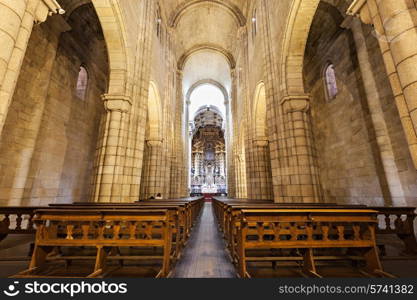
column 260, row 116
column 114, row 32
column 186, row 5
column 299, row 22
column 209, row 82
column 154, row 113
column 215, row 48
column 73, row 5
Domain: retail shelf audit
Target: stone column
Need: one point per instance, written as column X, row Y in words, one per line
column 179, row 169
column 232, row 136
column 395, row 23
column 108, row 182
column 16, row 22
column 241, row 185
column 47, row 38
column 383, row 138
column 153, row 177
column 138, row 90
column 299, row 168
column 261, row 183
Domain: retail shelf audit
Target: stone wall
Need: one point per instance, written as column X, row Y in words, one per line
column 50, row 136
column 403, row 162
column 343, row 137
column 361, row 148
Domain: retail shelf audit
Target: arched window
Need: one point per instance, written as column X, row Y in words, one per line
column 331, row 83
column 82, row 82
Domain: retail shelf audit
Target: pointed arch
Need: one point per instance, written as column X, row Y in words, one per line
column 186, row 5
column 211, row 47
column 260, row 120
column 154, row 113
column 111, row 21
column 297, row 30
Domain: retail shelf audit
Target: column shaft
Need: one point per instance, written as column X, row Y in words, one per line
column 16, row 23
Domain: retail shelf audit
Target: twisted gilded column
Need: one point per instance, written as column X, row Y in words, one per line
column 109, row 177
column 17, row 18
column 395, row 23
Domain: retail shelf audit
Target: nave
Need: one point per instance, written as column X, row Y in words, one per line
column 205, row 255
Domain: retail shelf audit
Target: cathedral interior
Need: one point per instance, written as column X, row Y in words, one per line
column 212, row 138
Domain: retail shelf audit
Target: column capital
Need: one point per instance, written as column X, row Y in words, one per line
column 260, row 142
column 154, row 143
column 117, row 102
column 359, row 8
column 233, row 73
column 45, row 8
column 295, row 103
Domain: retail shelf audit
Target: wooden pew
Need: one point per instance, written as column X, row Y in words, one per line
column 104, row 229
column 18, row 219
column 306, row 230
column 397, row 220
column 177, row 213
column 230, row 212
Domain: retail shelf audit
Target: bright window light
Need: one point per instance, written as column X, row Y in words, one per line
column 206, row 95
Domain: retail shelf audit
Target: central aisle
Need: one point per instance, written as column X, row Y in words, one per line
column 205, row 255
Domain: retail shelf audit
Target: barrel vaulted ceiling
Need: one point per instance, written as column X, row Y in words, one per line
column 205, row 34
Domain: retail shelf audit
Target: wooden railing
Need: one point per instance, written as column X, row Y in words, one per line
column 398, row 221
column 16, row 220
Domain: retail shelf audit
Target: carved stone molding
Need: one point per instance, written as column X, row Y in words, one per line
column 296, row 103
column 154, row 143
column 45, row 8
column 360, row 9
column 261, row 142
column 117, row 102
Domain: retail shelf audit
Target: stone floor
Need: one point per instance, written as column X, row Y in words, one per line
column 205, row 256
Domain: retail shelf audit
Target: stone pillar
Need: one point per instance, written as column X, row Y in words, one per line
column 395, row 23
column 241, row 185
column 231, row 166
column 260, row 186
column 47, row 38
column 16, row 23
column 108, row 182
column 299, row 170
column 153, row 177
column 179, row 169
column 396, row 193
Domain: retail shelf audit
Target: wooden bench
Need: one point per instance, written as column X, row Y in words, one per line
column 104, row 229
column 230, row 214
column 306, row 230
column 18, row 220
column 177, row 215
column 396, row 220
